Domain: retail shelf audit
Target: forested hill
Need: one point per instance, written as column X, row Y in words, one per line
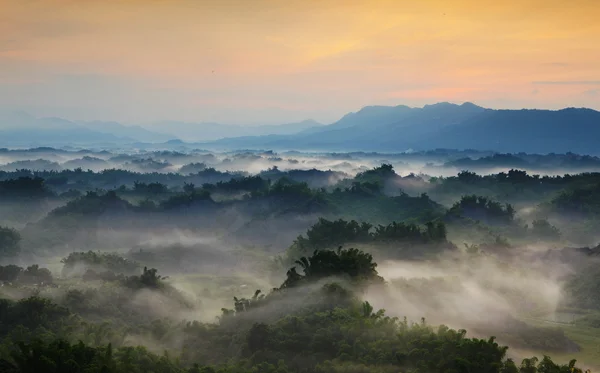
column 444, row 125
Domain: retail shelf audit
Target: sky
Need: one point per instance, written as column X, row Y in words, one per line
column 281, row 61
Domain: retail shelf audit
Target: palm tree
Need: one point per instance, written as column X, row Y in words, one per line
column 367, row 309
column 304, row 263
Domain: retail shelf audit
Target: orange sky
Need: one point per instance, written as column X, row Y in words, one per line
column 284, row 60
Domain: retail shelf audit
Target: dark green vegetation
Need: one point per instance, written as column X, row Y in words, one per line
column 32, row 275
column 409, row 240
column 154, row 268
column 85, row 261
column 295, row 328
column 9, row 242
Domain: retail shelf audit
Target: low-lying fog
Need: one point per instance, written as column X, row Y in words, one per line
column 211, row 242
column 184, row 160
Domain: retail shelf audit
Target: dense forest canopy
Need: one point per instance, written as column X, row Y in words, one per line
column 192, row 261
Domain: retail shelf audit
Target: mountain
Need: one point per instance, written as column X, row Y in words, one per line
column 204, row 131
column 535, row 131
column 22, row 129
column 442, row 125
column 134, row 132
column 373, row 128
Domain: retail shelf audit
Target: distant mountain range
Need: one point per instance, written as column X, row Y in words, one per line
column 442, row 125
column 373, row 128
column 18, row 129
column 22, row 129
column 204, row 131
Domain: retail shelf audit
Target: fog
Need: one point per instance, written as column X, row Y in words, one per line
column 215, row 227
column 173, row 160
column 478, row 293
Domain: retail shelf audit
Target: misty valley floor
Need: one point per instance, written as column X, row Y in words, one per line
column 247, row 261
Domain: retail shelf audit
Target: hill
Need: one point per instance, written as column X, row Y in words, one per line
column 204, row 131
column 22, row 129
column 443, row 125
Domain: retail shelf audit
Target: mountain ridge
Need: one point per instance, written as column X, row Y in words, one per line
column 444, row 125
column 211, row 131
column 18, row 128
column 372, row 128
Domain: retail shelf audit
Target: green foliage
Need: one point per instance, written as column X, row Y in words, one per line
column 24, row 187
column 98, row 261
column 287, row 188
column 353, row 264
column 9, row 242
column 254, row 184
column 289, row 330
column 354, row 339
column 483, row 209
column 516, row 186
column 366, row 202
column 192, row 168
column 328, row 234
column 187, row 199
column 468, row 177
column 308, row 324
column 32, row 275
column 60, row 356
column 189, row 188
column 434, row 232
column 31, row 318
column 148, row 279
column 10, row 273
column 92, row 204
column 419, row 349
column 584, row 201
column 150, row 188
column 378, row 175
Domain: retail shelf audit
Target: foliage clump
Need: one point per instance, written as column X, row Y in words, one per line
column 326, row 234
column 9, row 242
column 32, row 275
column 352, row 264
column 98, row 262
column 482, row 209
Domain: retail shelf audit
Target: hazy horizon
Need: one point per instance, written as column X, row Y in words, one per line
column 151, row 123
column 237, row 63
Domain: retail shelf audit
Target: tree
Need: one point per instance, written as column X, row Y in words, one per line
column 353, row 264
column 10, row 273
column 148, row 279
column 189, row 188
column 36, row 275
column 258, row 337
column 9, row 242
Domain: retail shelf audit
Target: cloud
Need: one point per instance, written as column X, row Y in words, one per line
column 592, row 92
column 331, row 57
column 567, row 82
